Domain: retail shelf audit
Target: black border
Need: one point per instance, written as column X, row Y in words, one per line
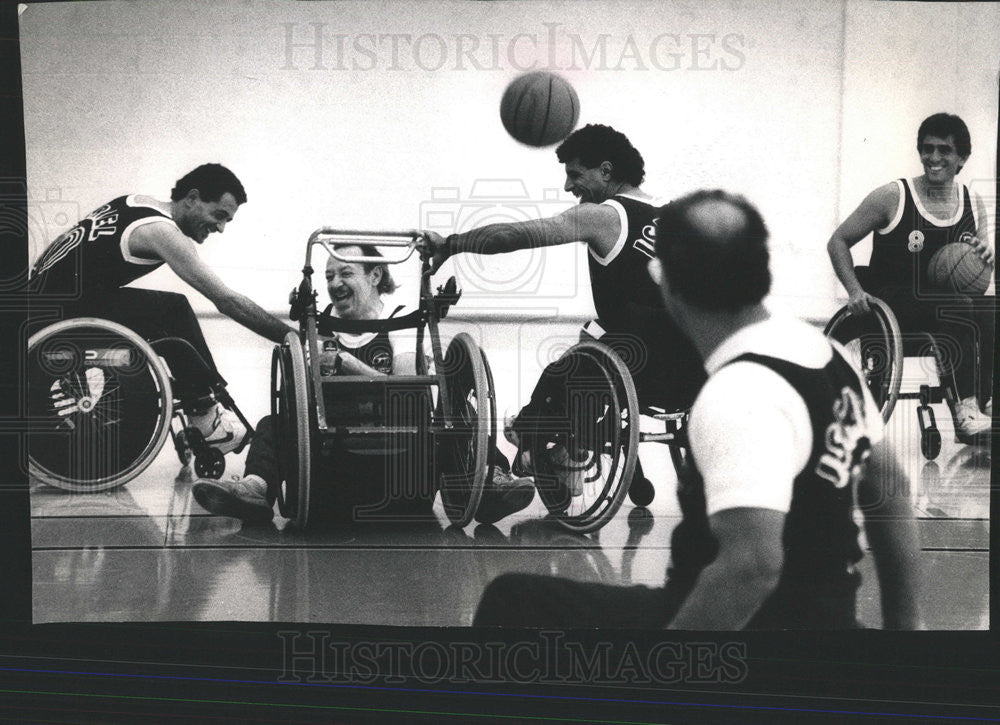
column 199, row 671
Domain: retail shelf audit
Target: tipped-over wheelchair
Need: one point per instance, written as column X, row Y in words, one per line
column 439, row 422
column 579, row 436
column 878, row 347
column 100, row 405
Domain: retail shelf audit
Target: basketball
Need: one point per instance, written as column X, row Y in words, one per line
column 539, row 108
column 958, row 268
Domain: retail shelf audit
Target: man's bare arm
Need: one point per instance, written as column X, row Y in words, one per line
column 731, row 589
column 875, row 212
column 180, row 254
column 596, row 225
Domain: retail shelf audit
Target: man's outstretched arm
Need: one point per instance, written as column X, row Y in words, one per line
column 594, row 224
column 180, row 254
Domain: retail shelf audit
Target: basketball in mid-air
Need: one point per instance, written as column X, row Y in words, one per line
column 958, row 268
column 539, row 108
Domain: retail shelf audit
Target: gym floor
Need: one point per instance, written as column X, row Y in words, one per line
column 148, row 552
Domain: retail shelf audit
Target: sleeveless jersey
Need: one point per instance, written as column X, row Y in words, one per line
column 93, row 255
column 820, row 538
column 373, row 349
column 902, row 251
column 621, row 279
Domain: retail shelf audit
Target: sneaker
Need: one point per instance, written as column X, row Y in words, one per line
column 503, row 496
column 970, row 422
column 221, row 428
column 243, row 498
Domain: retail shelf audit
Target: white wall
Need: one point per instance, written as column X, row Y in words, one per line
column 802, row 105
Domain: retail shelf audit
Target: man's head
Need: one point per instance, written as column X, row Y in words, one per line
column 356, row 287
column 711, row 249
column 944, row 145
column 599, row 162
column 205, row 200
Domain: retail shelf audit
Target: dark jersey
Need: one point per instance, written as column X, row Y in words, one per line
column 901, row 255
column 93, row 255
column 621, row 280
column 373, row 349
column 820, row 538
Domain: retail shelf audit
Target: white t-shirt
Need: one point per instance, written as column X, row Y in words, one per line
column 749, row 430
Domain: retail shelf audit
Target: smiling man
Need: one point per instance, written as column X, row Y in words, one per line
column 84, row 272
column 910, row 219
column 616, row 220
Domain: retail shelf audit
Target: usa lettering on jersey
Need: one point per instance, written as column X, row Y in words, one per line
column 647, row 242
column 847, row 445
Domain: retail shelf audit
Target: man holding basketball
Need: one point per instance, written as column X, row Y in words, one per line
column 911, row 220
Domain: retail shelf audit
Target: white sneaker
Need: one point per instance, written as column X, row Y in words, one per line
column 221, row 428
column 243, row 498
column 970, row 422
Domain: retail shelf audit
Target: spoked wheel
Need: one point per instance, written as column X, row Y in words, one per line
column 464, row 430
column 875, row 346
column 98, row 402
column 291, row 406
column 585, row 437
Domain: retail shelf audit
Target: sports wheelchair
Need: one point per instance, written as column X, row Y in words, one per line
column 440, row 423
column 100, row 405
column 579, row 436
column 877, row 348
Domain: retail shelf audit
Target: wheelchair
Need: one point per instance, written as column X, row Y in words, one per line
column 877, row 347
column 440, row 423
column 580, row 434
column 100, row 406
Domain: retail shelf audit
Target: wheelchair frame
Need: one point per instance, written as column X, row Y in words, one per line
column 618, row 420
column 887, row 391
column 116, row 351
column 460, row 434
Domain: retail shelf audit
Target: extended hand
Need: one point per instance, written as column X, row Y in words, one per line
column 440, row 250
column 858, row 303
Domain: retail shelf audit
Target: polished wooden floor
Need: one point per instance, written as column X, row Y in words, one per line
column 148, row 552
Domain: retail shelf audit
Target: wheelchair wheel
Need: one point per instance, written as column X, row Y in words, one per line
column 98, row 402
column 291, row 406
column 875, row 346
column 464, row 431
column 584, row 444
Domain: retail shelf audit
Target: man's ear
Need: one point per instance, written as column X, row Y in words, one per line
column 192, row 196
column 377, row 272
column 606, row 168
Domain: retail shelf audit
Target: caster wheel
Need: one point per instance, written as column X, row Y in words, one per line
column 930, row 443
column 210, row 463
column 641, row 491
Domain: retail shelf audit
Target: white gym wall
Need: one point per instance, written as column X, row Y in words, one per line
column 384, row 115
